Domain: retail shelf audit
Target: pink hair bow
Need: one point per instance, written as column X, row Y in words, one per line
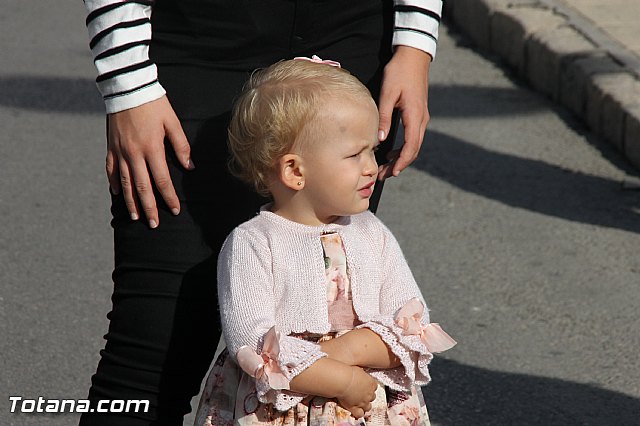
column 316, row 59
column 264, row 366
column 432, row 335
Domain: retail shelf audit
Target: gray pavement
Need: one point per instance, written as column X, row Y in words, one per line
column 516, row 220
column 583, row 54
column 55, row 240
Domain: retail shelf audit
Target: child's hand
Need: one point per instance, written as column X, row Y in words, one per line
column 357, row 396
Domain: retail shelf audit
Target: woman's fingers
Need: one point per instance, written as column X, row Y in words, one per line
column 128, row 190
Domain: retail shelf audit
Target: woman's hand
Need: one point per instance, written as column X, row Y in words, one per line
column 405, row 86
column 136, row 157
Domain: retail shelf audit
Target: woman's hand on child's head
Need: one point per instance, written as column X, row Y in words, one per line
column 359, row 394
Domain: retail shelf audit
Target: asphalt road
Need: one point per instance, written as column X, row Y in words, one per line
column 514, row 219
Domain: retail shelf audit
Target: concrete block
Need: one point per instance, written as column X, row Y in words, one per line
column 512, row 27
column 632, row 134
column 548, row 51
column 472, row 18
column 608, row 98
column 576, row 75
column 595, row 94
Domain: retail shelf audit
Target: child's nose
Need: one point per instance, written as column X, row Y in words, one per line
column 371, row 167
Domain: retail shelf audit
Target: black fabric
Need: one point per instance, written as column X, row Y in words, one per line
column 164, row 325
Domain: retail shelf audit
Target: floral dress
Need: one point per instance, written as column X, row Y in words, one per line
column 230, row 398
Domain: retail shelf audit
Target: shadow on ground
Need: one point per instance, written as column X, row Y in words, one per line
column 463, row 395
column 51, row 94
column 530, row 184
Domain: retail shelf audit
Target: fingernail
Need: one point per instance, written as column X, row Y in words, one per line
column 190, row 164
column 381, row 135
column 134, row 216
column 153, row 224
column 175, row 211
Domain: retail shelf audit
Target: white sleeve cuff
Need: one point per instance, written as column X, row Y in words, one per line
column 416, row 40
column 134, row 98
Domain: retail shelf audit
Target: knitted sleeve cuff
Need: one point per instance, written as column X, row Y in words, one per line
column 294, row 356
column 413, row 355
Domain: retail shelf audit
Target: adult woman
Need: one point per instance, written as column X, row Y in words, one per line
column 169, row 79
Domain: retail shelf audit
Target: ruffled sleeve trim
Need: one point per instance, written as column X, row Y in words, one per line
column 281, row 359
column 296, row 355
column 413, row 356
column 412, row 341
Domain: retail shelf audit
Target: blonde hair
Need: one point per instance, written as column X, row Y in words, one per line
column 273, row 109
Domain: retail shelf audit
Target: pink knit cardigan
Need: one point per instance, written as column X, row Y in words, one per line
column 271, row 273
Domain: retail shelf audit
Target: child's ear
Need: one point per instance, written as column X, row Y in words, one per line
column 290, row 171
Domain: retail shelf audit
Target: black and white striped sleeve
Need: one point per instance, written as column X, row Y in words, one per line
column 120, row 33
column 416, row 24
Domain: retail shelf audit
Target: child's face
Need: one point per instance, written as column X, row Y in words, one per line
column 340, row 165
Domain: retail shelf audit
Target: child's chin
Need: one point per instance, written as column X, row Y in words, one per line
column 363, row 206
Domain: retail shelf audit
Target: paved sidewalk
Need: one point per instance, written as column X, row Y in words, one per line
column 584, row 54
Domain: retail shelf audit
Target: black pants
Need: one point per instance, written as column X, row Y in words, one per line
column 164, row 325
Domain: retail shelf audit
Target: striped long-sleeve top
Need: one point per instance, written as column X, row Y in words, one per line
column 120, row 34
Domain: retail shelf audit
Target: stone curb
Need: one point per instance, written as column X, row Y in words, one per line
column 556, row 57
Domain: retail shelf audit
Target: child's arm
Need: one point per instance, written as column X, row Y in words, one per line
column 398, row 342
column 322, row 376
column 361, row 347
column 351, row 386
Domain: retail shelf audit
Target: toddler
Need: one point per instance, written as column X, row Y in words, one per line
column 323, row 321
